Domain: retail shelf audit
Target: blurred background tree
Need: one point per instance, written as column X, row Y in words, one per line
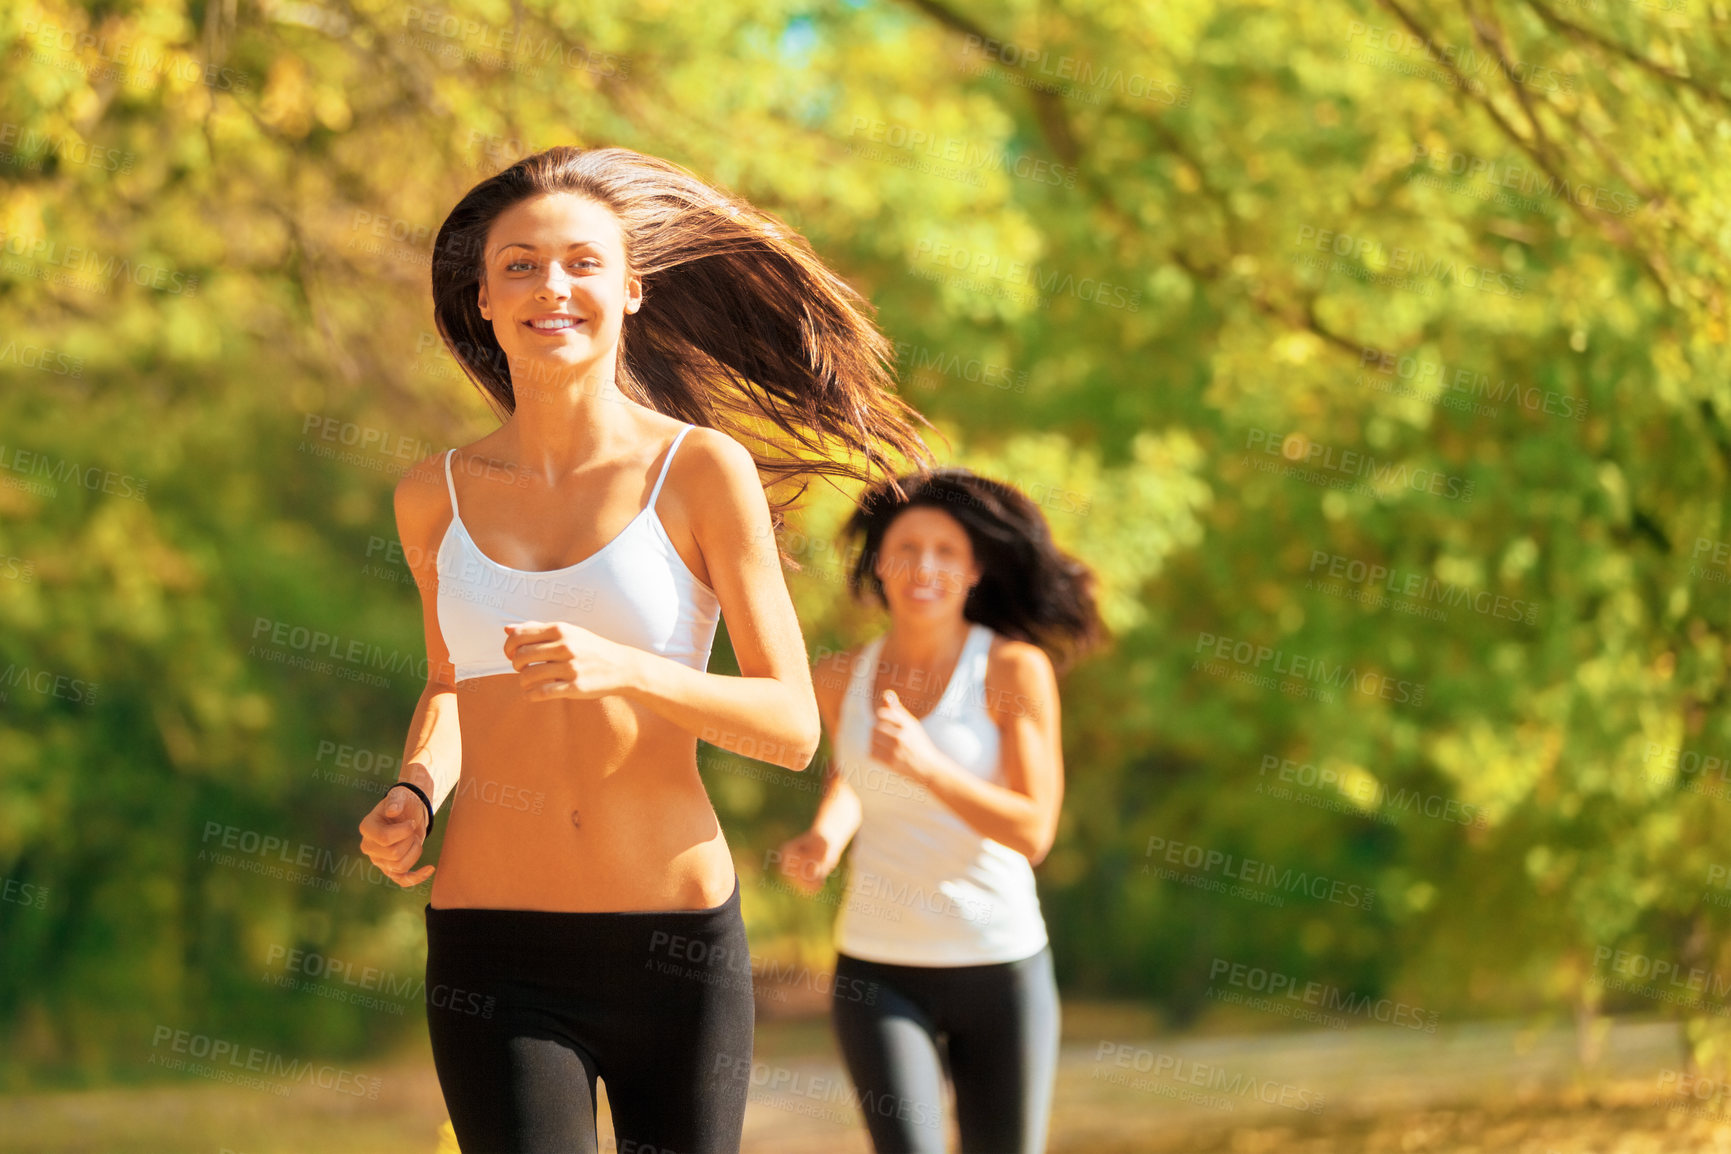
column 1317, row 327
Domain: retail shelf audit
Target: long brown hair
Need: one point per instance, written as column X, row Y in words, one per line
column 742, row 327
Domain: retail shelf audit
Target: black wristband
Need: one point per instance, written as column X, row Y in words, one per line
column 425, row 800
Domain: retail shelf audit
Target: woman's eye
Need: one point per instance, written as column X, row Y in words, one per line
column 586, row 263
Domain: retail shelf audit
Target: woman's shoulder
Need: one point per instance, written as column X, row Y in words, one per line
column 1016, row 667
column 707, row 456
column 424, row 482
column 1008, row 655
column 711, row 493
column 421, row 491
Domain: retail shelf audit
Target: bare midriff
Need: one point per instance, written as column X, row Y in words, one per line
column 576, row 806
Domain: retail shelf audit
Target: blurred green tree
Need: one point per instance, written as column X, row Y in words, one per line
column 1373, row 353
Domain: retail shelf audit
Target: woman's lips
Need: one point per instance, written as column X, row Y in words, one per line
column 554, row 330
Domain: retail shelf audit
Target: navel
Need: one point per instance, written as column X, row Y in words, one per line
column 576, row 821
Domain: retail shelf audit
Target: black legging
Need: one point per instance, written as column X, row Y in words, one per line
column 526, row 1007
column 999, row 1025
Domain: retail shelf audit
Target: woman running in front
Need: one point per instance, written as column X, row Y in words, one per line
column 584, row 922
column 948, row 776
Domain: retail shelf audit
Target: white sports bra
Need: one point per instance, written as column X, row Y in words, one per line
column 924, row 887
column 635, row 590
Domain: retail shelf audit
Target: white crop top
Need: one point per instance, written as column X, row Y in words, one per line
column 635, row 590
column 924, row 887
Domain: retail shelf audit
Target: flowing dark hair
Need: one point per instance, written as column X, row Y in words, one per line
column 1029, row 589
column 742, row 327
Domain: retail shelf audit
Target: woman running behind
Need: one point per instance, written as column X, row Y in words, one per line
column 624, row 316
column 948, row 776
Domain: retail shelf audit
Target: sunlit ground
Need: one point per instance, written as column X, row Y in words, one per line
column 1474, row 1088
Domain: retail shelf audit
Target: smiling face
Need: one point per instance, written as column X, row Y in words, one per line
column 927, row 565
column 555, row 285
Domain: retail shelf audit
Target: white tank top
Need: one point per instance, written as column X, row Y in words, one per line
column 635, row 590
column 924, row 887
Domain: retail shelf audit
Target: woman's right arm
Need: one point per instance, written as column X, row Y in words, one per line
column 393, row 833
column 807, row 858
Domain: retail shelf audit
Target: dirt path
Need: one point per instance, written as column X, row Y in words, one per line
column 1469, row 1090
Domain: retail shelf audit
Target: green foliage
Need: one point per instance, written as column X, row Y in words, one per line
column 1127, row 249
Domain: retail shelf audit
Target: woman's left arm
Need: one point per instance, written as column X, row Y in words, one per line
column 769, row 712
column 1022, row 698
